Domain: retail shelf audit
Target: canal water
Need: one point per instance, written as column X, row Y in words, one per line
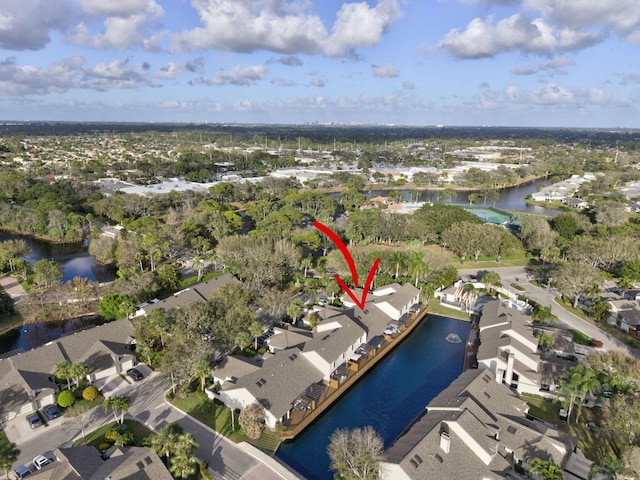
column 72, row 257
column 388, row 398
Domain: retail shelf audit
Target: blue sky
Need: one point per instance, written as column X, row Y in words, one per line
column 545, row 63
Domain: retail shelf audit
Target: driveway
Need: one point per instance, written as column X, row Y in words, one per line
column 547, row 297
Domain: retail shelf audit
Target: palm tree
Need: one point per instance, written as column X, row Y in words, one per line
column 295, row 308
column 624, row 284
column 202, row 369
column 399, row 262
column 577, row 382
column 79, row 371
column 163, row 443
column 469, row 294
column 9, row 454
column 119, row 405
column 306, row 264
column 491, row 279
column 543, row 314
column 63, row 370
column 184, row 463
column 417, row 267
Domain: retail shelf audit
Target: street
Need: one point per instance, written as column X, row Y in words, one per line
column 547, row 297
column 148, row 406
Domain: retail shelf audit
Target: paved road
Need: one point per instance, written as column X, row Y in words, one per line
column 148, row 406
column 546, row 297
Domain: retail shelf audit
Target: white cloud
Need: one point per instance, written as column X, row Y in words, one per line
column 236, row 76
column 245, row 26
column 388, row 71
column 116, row 74
column 281, row 82
column 621, row 16
column 173, row 70
column 26, row 25
column 125, row 26
column 61, row 76
column 359, row 25
column 407, row 85
column 317, row 82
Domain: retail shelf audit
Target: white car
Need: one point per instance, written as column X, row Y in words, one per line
column 41, row 461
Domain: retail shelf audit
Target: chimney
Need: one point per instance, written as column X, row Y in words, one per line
column 509, row 374
column 445, row 441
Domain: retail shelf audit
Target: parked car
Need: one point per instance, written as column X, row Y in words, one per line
column 21, row 472
column 135, row 374
column 34, row 420
column 51, row 412
column 41, row 461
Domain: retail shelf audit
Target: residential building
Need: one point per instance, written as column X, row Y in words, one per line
column 624, row 314
column 475, row 429
column 301, row 364
column 199, row 292
column 86, row 463
column 28, row 378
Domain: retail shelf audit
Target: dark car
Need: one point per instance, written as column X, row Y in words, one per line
column 51, row 412
column 34, row 420
column 135, row 374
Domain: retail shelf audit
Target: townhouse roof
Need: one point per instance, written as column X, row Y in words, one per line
column 31, row 373
column 283, row 377
column 330, row 343
column 233, row 367
column 199, row 292
column 481, row 419
column 396, row 295
column 284, row 338
column 630, row 317
column 495, row 312
column 86, row 463
column 623, row 304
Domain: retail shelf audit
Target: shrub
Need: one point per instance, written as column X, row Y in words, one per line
column 204, row 473
column 66, row 398
column 112, row 435
column 103, row 446
column 90, row 393
column 251, row 420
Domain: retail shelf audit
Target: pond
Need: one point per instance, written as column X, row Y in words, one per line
column 389, row 397
column 74, row 258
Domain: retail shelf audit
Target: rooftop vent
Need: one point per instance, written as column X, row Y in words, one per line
column 445, row 442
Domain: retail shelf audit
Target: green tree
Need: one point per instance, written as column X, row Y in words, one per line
column 545, row 340
column 119, row 405
column 46, row 272
column 9, row 454
column 66, row 398
column 575, row 383
column 356, row 454
column 622, row 416
column 575, row 279
column 164, row 442
column 543, row 314
column 491, row 280
column 251, row 420
column 79, row 413
column 599, row 309
column 116, row 306
column 202, row 370
column 63, row 371
column 417, row 267
column 79, row 371
column 547, row 469
column 295, row 309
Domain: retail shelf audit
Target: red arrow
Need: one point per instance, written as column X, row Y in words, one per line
column 352, row 266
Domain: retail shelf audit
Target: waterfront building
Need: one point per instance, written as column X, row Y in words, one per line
column 476, row 428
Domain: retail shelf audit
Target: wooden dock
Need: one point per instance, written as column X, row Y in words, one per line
column 299, row 420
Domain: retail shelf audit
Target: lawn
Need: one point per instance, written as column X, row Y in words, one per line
column 96, row 437
column 437, row 309
column 595, row 441
column 218, row 417
column 580, row 338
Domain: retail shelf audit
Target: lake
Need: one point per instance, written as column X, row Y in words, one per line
column 511, row 198
column 388, row 398
column 72, row 257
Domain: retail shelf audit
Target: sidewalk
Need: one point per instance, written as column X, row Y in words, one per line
column 12, row 286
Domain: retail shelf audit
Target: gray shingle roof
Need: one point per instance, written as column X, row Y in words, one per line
column 283, row 377
column 330, row 344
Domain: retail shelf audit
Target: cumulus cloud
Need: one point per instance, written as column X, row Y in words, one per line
column 236, row 76
column 116, row 74
column 27, row 25
column 281, row 82
column 290, row 61
column 561, row 96
column 126, row 25
column 553, row 26
column 251, row 25
column 388, row 71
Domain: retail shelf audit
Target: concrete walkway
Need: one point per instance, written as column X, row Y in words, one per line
column 12, row 286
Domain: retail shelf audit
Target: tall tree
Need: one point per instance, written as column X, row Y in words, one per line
column 575, row 279
column 119, row 405
column 202, row 370
column 417, row 267
column 356, row 454
column 63, row 371
column 575, row 383
column 46, row 272
column 164, row 442
column 79, row 371
column 9, row 454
